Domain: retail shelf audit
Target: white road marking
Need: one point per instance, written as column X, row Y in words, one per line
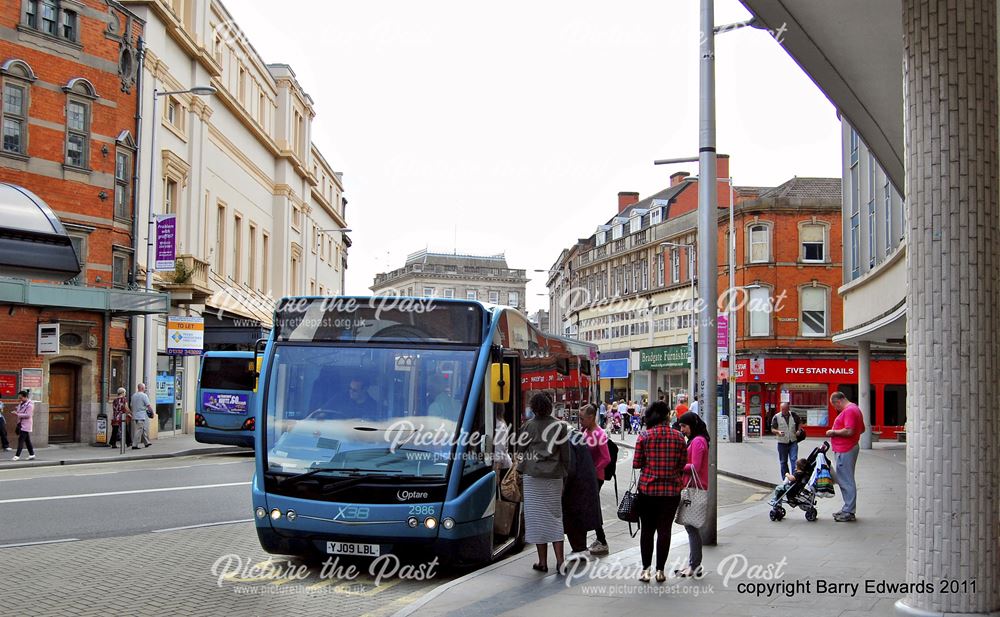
column 106, row 473
column 112, row 493
column 39, row 542
column 246, row 520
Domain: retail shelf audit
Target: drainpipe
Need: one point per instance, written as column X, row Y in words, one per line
column 134, row 321
column 105, row 353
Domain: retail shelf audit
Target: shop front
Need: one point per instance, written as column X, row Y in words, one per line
column 668, row 371
column 614, row 374
column 806, row 385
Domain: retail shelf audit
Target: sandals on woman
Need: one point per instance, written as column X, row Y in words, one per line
column 660, row 576
column 644, row 577
column 539, row 567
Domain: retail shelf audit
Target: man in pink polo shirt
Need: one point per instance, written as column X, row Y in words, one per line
column 844, row 437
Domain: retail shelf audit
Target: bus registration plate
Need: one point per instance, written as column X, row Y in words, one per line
column 350, row 548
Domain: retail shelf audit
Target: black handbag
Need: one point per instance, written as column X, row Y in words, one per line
column 149, row 413
column 628, row 508
column 17, row 428
column 800, row 435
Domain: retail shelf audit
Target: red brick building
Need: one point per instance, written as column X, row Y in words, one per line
column 68, row 72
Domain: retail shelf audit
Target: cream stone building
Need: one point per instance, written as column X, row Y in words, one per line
column 259, row 209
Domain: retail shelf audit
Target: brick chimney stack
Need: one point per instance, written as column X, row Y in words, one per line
column 678, row 177
column 626, row 199
column 722, row 166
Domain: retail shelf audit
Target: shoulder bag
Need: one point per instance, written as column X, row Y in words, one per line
column 511, row 486
column 800, row 433
column 693, row 507
column 628, row 508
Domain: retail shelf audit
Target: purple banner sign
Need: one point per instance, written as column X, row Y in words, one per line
column 166, row 244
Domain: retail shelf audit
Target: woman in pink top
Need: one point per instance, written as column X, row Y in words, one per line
column 695, row 472
column 597, row 441
column 25, row 412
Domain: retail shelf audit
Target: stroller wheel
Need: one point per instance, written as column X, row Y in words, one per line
column 774, row 515
column 811, row 515
column 781, row 513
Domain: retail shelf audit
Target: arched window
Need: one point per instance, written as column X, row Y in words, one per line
column 812, row 237
column 813, row 318
column 80, row 95
column 760, row 244
column 17, row 78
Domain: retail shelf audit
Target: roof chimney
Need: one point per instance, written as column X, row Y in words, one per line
column 626, row 199
column 722, row 166
column 678, row 177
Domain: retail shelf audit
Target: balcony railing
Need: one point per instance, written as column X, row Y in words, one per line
column 188, row 283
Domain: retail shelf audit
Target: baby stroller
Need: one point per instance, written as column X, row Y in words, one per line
column 803, row 493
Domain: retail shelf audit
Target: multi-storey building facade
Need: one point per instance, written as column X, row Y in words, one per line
column 445, row 275
column 259, row 209
column 874, row 284
column 68, row 73
column 635, row 289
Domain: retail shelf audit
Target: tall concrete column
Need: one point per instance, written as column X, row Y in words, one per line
column 864, row 390
column 953, row 490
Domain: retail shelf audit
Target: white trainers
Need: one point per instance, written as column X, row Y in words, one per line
column 7, row 449
column 31, row 457
column 598, row 548
column 16, row 458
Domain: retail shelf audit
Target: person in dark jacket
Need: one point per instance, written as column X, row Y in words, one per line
column 581, row 501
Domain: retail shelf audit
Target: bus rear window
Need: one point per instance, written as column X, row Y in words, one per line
column 227, row 374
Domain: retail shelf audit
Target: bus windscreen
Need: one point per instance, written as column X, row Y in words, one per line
column 382, row 320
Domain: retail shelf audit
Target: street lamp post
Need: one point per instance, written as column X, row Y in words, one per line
column 692, row 370
column 148, row 366
column 323, row 231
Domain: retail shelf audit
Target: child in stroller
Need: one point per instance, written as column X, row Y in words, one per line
column 799, row 489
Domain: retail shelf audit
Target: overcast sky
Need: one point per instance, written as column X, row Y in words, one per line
column 486, row 128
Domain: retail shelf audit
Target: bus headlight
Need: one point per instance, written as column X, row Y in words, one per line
column 291, row 515
column 412, row 521
column 448, row 523
column 430, row 522
column 275, row 514
column 261, row 513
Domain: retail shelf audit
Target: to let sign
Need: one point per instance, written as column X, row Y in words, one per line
column 48, row 338
column 185, row 335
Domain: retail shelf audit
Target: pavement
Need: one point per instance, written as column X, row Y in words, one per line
column 757, row 567
column 81, row 453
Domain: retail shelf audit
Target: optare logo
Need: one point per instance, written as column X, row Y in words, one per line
column 408, row 495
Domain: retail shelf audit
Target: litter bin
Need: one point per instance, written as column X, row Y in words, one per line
column 101, row 438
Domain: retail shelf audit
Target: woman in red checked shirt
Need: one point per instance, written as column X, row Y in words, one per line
column 661, row 455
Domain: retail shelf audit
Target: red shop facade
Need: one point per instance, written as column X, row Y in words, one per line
column 763, row 383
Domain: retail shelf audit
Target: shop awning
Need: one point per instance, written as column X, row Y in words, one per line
column 119, row 302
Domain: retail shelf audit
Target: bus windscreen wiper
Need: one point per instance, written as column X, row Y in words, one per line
column 315, row 470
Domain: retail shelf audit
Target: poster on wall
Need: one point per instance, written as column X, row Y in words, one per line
column 164, row 389
column 225, row 403
column 48, row 339
column 31, row 379
column 8, row 385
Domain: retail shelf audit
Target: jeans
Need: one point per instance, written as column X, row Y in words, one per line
column 656, row 516
column 3, row 432
column 846, row 462
column 788, row 453
column 694, row 546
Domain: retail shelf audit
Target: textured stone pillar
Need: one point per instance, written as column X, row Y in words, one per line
column 950, row 106
column 864, row 390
